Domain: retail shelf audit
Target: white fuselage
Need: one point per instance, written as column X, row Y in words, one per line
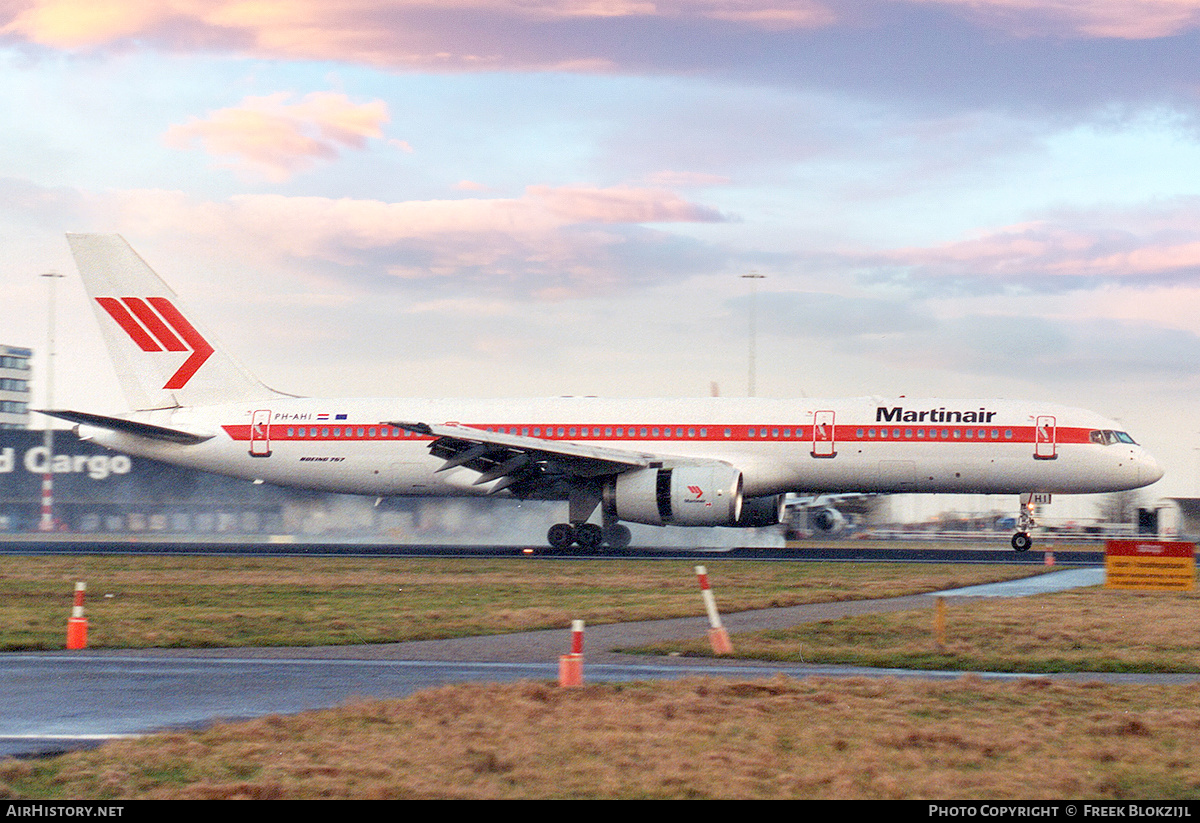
column 856, row 445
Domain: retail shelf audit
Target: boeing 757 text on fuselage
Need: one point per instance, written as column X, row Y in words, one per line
column 683, row 462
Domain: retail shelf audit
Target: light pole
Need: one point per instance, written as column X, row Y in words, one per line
column 753, row 277
column 47, row 522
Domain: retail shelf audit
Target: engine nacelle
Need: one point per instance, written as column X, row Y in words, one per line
column 827, row 520
column 694, row 495
column 762, row 511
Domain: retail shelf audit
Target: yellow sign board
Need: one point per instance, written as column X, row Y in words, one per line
column 1150, row 565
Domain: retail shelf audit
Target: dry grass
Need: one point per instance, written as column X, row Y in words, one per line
column 1091, row 629
column 183, row 601
column 778, row 738
column 781, row 738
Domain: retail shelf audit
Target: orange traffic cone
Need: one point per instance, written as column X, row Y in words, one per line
column 570, row 666
column 77, row 623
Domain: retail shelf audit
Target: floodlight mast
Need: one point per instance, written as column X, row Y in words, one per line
column 46, row 524
column 753, row 277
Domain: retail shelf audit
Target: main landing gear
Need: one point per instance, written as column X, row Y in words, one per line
column 588, row 536
column 584, row 498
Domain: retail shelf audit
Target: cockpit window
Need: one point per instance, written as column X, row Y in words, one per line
column 1109, row 438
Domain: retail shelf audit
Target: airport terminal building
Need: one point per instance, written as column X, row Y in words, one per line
column 96, row 491
column 14, row 387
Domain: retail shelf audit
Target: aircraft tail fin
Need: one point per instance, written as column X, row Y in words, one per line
column 161, row 355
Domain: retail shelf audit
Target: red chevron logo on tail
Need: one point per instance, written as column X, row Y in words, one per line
column 156, row 325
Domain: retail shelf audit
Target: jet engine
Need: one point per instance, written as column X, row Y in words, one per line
column 690, row 495
column 762, row 511
column 826, row 520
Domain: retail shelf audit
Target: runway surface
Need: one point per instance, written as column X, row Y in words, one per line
column 55, row 701
column 981, row 551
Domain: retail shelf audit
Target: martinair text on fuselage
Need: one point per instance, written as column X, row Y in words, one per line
column 898, row 414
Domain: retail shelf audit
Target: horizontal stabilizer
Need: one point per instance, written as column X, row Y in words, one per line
column 120, row 424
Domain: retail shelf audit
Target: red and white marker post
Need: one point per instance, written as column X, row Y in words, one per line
column 570, row 666
column 46, row 524
column 77, row 623
column 717, row 636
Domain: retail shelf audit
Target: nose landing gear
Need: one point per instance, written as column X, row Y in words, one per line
column 1021, row 541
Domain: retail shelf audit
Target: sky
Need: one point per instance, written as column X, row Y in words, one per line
column 489, row 198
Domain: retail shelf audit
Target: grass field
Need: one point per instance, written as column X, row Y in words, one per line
column 964, row 738
column 777, row 738
column 180, row 601
column 1084, row 630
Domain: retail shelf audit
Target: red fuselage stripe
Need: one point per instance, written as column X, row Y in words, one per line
column 843, row 433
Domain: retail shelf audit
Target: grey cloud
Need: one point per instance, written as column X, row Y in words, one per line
column 1069, row 351
column 818, row 314
column 906, row 332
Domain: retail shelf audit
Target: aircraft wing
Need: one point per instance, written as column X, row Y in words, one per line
column 530, row 461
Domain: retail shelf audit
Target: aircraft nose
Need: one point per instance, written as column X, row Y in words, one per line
column 1148, row 469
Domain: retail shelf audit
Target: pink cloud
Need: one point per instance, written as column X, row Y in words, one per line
column 557, row 239
column 620, row 204
column 1159, row 244
column 275, row 138
column 767, row 15
column 416, row 32
column 74, row 23
column 1128, row 19
column 376, row 32
column 370, row 223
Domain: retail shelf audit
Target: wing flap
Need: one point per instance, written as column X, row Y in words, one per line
column 513, row 460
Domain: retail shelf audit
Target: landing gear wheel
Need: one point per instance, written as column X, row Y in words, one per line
column 617, row 536
column 561, row 536
column 589, row 536
column 1021, row 541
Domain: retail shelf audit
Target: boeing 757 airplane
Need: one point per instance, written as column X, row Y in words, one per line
column 713, row 461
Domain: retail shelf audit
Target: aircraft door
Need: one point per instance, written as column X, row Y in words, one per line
column 260, row 434
column 824, row 443
column 1045, row 439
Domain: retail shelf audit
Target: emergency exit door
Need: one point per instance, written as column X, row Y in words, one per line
column 824, row 442
column 260, row 434
column 1045, row 439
